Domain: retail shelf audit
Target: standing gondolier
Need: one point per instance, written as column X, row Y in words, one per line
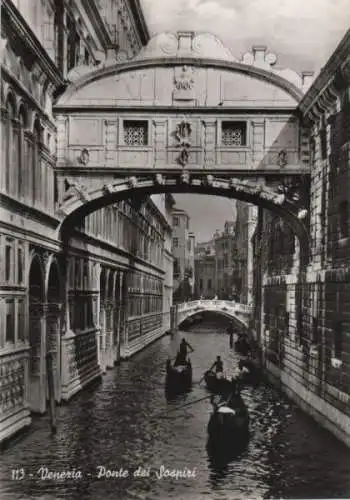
column 230, row 332
column 183, row 350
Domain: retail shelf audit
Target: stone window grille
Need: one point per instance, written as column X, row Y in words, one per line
column 233, row 133
column 176, row 242
column 135, row 133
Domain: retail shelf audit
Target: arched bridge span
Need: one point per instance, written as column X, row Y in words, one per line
column 239, row 313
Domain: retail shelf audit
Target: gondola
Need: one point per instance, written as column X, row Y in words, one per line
column 178, row 377
column 217, row 384
column 250, row 372
column 229, row 420
column 242, row 346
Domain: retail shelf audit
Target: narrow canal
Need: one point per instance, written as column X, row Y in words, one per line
column 115, row 426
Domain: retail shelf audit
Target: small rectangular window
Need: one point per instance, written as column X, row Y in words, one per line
column 175, row 221
column 21, row 320
column 234, row 133
column 8, row 262
column 20, row 265
column 175, row 242
column 10, row 321
column 135, row 132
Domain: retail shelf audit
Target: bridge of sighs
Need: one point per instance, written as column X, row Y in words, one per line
column 184, row 116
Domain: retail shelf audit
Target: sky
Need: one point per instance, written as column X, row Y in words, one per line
column 302, row 33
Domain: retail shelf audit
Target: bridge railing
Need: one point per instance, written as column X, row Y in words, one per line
column 215, row 303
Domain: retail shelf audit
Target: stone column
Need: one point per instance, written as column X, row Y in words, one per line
column 258, row 142
column 160, row 142
column 209, row 159
column 111, row 141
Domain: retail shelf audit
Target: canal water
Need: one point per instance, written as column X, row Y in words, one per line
column 125, row 426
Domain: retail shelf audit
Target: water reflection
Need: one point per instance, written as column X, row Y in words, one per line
column 126, row 421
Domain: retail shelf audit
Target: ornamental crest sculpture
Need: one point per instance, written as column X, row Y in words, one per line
column 184, row 83
column 183, row 136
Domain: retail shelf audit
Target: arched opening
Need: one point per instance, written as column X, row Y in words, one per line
column 36, row 167
column 22, row 154
column 36, row 395
column 10, row 146
column 240, row 326
column 76, row 207
column 54, row 324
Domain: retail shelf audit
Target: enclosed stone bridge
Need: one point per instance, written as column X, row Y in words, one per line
column 185, row 115
column 238, row 313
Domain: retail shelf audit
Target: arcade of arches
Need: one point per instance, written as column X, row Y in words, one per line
column 87, row 268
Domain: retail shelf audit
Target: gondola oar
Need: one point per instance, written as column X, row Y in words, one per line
column 201, row 380
column 180, row 407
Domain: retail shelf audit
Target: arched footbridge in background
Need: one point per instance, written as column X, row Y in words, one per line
column 240, row 314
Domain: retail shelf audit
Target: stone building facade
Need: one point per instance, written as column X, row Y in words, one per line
column 302, row 313
column 183, row 251
column 224, row 244
column 205, row 267
column 244, row 230
column 103, row 290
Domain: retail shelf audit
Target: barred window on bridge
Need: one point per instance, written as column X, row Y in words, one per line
column 135, row 133
column 234, row 133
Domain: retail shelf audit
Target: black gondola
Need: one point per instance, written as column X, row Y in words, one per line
column 178, row 377
column 217, row 384
column 242, row 346
column 250, row 372
column 229, row 420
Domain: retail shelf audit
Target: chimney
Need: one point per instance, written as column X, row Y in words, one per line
column 111, row 53
column 185, row 40
column 259, row 52
column 307, row 79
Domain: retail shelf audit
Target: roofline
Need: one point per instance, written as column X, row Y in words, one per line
column 97, row 22
column 140, row 21
column 327, row 74
column 136, row 64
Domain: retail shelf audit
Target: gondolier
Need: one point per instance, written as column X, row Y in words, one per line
column 182, row 355
column 218, row 365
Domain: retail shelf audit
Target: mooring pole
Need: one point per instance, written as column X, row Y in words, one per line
column 50, row 380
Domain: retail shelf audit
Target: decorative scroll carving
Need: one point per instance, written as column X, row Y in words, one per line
column 184, row 83
column 282, row 158
column 183, row 136
column 159, row 179
column 185, row 177
column 74, row 189
column 184, row 80
column 84, row 157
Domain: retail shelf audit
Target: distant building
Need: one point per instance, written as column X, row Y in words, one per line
column 205, row 270
column 244, row 231
column 183, row 251
column 224, row 244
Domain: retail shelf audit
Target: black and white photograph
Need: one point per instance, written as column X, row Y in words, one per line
column 175, row 250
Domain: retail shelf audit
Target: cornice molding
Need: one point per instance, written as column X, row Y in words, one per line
column 327, row 81
column 23, row 210
column 20, row 29
column 218, row 64
column 140, row 21
column 97, row 22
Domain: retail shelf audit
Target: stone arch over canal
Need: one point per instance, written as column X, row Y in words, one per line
column 184, row 116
